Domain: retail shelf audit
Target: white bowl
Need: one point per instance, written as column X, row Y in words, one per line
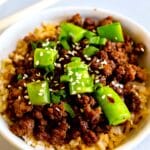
column 8, row 42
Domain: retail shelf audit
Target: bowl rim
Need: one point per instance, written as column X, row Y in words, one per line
column 141, row 135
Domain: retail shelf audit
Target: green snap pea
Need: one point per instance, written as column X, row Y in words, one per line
column 112, row 105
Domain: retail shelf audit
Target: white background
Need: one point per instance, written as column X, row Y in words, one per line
column 138, row 10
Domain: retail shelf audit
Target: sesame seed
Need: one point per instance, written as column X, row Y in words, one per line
column 73, row 92
column 78, row 95
column 9, row 86
column 48, row 52
column 30, row 58
column 57, row 109
column 110, row 95
column 58, row 65
column 104, row 62
column 85, row 56
column 97, row 60
column 104, row 96
column 33, row 79
column 37, row 62
column 55, row 81
column 97, row 72
column 62, row 87
column 29, row 102
column 38, row 74
column 66, row 56
column 96, row 81
column 26, row 97
column 19, row 97
column 41, row 90
column 41, row 54
column 40, row 94
column 20, row 88
column 88, row 58
column 50, row 90
column 60, row 59
column 37, row 80
column 24, row 84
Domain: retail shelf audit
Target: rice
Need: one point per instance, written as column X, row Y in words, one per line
column 108, row 140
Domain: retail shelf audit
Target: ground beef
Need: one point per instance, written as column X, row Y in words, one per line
column 89, row 137
column 76, row 19
column 22, row 127
column 21, row 107
column 89, row 24
column 56, row 112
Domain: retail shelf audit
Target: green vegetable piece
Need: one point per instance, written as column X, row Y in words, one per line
column 64, row 78
column 78, row 77
column 90, row 51
column 65, row 44
column 94, row 40
column 19, row 77
column 112, row 105
column 102, row 41
column 68, row 109
column 89, row 34
column 45, row 58
column 71, row 30
column 112, row 32
column 38, row 93
column 55, row 98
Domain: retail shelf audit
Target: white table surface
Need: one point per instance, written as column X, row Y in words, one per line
column 138, row 10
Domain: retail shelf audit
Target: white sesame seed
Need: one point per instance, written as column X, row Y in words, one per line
column 9, row 86
column 48, row 52
column 104, row 96
column 33, row 79
column 38, row 81
column 50, row 90
column 41, row 54
column 37, row 62
column 62, row 87
column 73, row 92
column 40, row 94
column 29, row 102
column 19, row 97
column 20, row 88
column 60, row 59
column 109, row 94
column 97, row 81
column 57, row 109
column 97, row 72
column 104, row 62
column 88, row 58
column 66, row 56
column 97, row 60
column 78, row 95
column 85, row 56
column 38, row 74
column 26, row 97
column 30, row 58
column 58, row 65
column 24, row 84
column 41, row 90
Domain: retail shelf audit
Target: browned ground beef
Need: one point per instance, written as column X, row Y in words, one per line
column 115, row 63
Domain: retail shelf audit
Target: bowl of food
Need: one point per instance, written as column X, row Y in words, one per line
column 75, row 78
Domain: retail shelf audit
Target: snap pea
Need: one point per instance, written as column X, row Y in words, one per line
column 38, row 92
column 112, row 105
column 90, row 51
column 112, row 32
column 45, row 58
